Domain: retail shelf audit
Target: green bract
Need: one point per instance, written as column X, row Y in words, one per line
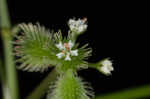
column 34, row 48
column 37, row 50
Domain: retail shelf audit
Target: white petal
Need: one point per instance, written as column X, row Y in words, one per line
column 74, row 52
column 110, row 67
column 71, row 44
column 60, row 55
column 71, row 21
column 105, row 70
column 60, row 46
column 72, row 27
column 107, row 66
column 68, row 57
column 107, row 62
column 81, row 28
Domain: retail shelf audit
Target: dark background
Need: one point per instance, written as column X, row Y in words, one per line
column 115, row 29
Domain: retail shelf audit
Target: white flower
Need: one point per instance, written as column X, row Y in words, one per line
column 68, row 57
column 78, row 25
column 60, row 55
column 74, row 53
column 70, row 44
column 66, row 50
column 106, row 67
column 60, row 46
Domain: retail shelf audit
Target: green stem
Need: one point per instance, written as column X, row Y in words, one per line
column 4, row 16
column 93, row 65
column 43, row 86
column 134, row 93
column 3, row 81
column 5, row 89
column 11, row 77
column 2, row 74
column 10, row 67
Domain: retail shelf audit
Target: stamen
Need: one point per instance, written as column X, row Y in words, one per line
column 84, row 19
column 67, row 46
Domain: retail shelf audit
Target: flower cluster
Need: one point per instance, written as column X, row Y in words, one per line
column 37, row 49
column 78, row 26
column 66, row 50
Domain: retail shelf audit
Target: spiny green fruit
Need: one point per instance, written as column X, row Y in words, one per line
column 69, row 86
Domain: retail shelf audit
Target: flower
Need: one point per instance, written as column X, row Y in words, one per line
column 78, row 26
column 66, row 50
column 106, row 67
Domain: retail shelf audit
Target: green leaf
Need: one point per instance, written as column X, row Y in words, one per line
column 131, row 93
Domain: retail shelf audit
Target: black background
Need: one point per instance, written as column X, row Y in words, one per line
column 115, row 29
